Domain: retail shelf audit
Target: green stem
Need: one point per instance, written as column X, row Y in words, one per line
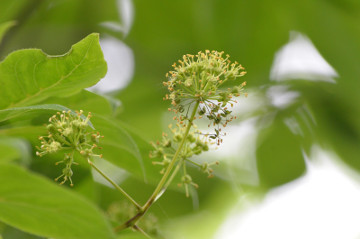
column 142, row 231
column 164, row 183
column 160, row 187
column 116, row 186
column 178, row 166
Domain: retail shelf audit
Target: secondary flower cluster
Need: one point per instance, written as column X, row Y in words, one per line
column 166, row 148
column 68, row 131
column 194, row 144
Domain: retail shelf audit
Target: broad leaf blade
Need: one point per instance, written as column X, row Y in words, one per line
column 29, row 76
column 33, row 204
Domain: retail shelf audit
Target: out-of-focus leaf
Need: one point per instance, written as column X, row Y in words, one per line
column 4, row 27
column 14, row 149
column 33, row 204
column 143, row 106
column 279, row 156
column 84, row 100
column 205, row 222
column 29, row 76
column 10, row 10
column 53, row 25
column 13, row 233
column 338, row 127
column 128, row 234
column 122, row 149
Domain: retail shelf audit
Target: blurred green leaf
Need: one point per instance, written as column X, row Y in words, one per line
column 10, row 10
column 13, row 233
column 128, row 234
column 53, row 25
column 4, row 27
column 120, row 148
column 14, row 149
column 29, row 76
column 84, row 100
column 279, row 156
column 33, row 204
column 204, row 223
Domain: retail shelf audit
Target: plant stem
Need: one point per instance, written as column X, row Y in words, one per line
column 164, row 182
column 160, row 187
column 178, row 166
column 116, row 186
column 142, row 231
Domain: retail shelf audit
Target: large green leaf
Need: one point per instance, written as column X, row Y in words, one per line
column 35, row 205
column 29, row 76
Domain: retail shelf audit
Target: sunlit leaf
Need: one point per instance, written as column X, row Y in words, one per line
column 29, row 76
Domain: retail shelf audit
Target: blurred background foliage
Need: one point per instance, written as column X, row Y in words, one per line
column 159, row 33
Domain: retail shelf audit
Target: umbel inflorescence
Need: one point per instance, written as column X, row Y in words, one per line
column 196, row 84
column 200, row 77
column 69, row 132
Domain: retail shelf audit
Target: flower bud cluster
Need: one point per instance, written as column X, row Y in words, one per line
column 68, row 131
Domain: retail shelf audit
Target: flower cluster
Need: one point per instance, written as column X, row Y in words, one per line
column 68, row 131
column 165, row 149
column 200, row 77
column 198, row 80
column 194, row 144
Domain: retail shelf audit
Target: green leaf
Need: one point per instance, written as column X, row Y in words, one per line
column 14, row 149
column 35, row 205
column 10, row 10
column 4, row 27
column 53, row 25
column 19, row 111
column 13, row 233
column 86, row 101
column 118, row 146
column 29, row 76
column 127, row 149
column 279, row 156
